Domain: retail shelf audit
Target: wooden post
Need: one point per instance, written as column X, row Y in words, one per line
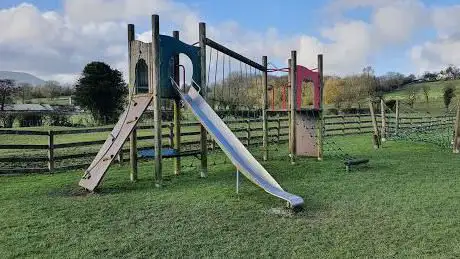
column 288, row 109
column 320, row 121
column 132, row 92
column 278, row 129
column 383, row 120
column 248, row 131
column 397, row 118
column 120, row 157
column 343, row 124
column 293, row 77
column 177, row 113
column 133, row 155
column 376, row 135
column 359, row 122
column 204, row 139
column 265, row 108
column 156, row 90
column 171, row 134
column 50, row 151
column 456, row 140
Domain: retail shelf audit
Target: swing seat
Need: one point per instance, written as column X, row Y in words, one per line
column 352, row 162
column 165, row 153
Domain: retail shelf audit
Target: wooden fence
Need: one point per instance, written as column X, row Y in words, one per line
column 250, row 132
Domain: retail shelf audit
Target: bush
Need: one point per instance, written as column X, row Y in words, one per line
column 6, row 120
column 83, row 120
column 57, row 120
column 332, row 111
column 30, row 120
column 449, row 94
column 391, row 104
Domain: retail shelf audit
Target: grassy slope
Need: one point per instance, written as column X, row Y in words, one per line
column 436, row 90
column 404, row 204
column 435, row 103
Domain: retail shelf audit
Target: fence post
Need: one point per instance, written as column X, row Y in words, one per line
column 343, row 125
column 397, row 117
column 120, row 156
column 248, row 131
column 456, row 140
column 50, row 151
column 359, row 122
column 383, row 120
column 278, row 129
column 376, row 135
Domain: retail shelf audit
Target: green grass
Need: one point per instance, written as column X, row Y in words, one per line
column 435, row 105
column 435, row 93
column 405, row 203
column 62, row 100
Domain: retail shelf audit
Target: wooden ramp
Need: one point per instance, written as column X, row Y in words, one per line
column 128, row 120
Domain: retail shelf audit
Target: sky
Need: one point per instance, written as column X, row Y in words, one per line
column 54, row 39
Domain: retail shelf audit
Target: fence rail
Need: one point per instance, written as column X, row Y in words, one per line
column 249, row 131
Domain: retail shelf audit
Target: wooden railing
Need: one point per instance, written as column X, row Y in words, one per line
column 249, row 131
column 53, row 155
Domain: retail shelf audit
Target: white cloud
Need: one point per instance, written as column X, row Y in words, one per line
column 396, row 22
column 436, row 54
column 59, row 44
column 446, row 20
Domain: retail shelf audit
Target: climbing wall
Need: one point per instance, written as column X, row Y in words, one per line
column 306, row 133
column 120, row 133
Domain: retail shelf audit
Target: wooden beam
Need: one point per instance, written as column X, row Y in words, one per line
column 265, row 107
column 293, row 77
column 177, row 112
column 132, row 91
column 155, row 89
column 320, row 119
column 204, row 91
column 234, row 55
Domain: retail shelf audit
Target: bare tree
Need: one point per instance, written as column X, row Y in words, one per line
column 426, row 93
column 411, row 97
column 7, row 89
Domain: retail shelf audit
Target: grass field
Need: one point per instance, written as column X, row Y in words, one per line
column 405, row 203
column 435, row 105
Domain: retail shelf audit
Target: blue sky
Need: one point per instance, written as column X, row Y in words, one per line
column 351, row 33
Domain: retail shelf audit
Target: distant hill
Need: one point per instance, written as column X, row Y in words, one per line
column 21, row 77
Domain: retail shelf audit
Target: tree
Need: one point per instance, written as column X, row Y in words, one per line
column 411, row 97
column 449, row 94
column 452, row 72
column 334, row 91
column 426, row 93
column 391, row 81
column 428, row 76
column 102, row 91
column 409, row 79
column 7, row 89
column 51, row 89
column 24, row 92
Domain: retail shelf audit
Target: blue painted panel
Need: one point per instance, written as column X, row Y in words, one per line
column 169, row 47
column 148, row 153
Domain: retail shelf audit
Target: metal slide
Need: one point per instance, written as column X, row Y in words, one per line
column 120, row 133
column 235, row 150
